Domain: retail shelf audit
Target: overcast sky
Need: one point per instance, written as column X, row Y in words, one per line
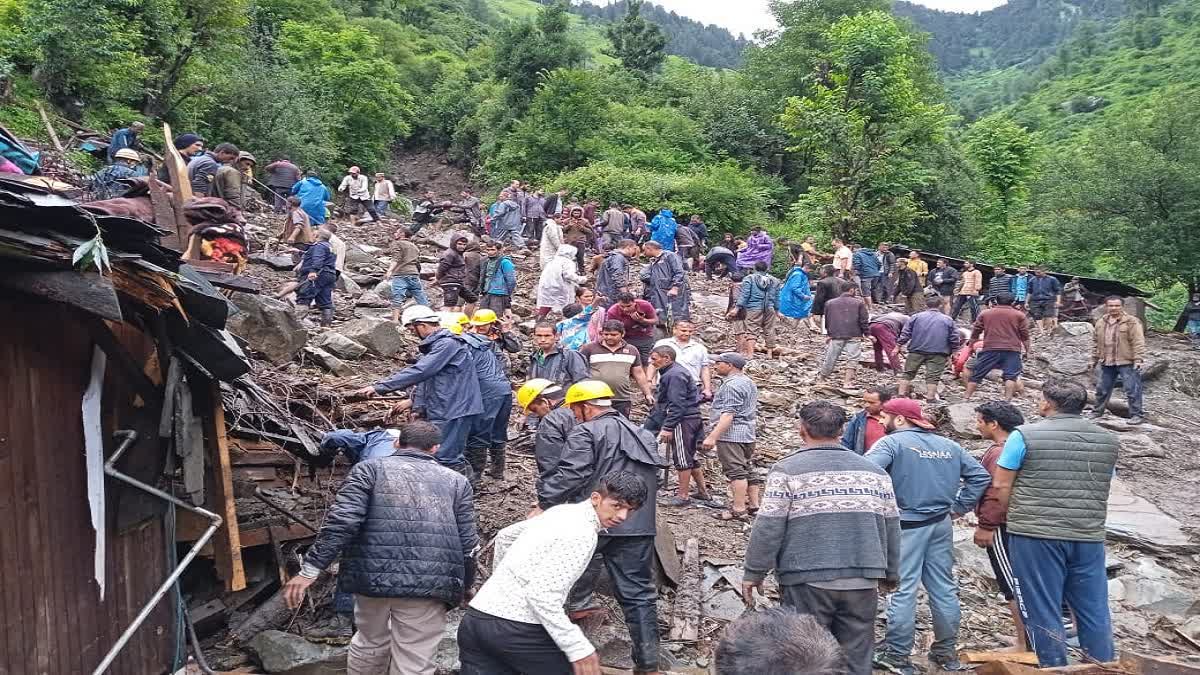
column 747, row 16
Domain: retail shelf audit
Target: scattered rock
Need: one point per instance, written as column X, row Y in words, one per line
column 380, row 336
column 268, row 325
column 961, row 417
column 371, row 299
column 969, row 556
column 329, row 362
column 383, row 289
column 441, row 238
column 428, row 270
column 339, row 345
column 1191, row 627
column 348, row 286
column 1130, row 624
column 1069, row 356
column 1157, row 595
column 282, row 263
column 726, row 606
column 1141, row 524
column 287, row 654
column 356, row 255
column 364, row 279
column 775, row 399
column 713, row 303
column 1074, row 329
column 1140, row 445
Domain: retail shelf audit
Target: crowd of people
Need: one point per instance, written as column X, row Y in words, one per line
column 613, row 328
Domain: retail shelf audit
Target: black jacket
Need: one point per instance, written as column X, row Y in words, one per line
column 595, row 449
column 676, row 397
column 826, row 290
column 552, row 431
column 908, row 283
column 405, row 527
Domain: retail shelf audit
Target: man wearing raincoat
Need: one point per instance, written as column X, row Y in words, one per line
column 665, row 284
column 796, row 298
column 556, row 287
column 663, row 228
column 759, row 248
column 313, row 194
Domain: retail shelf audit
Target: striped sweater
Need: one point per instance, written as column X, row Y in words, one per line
column 827, row 514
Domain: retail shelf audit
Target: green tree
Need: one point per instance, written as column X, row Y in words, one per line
column 638, row 44
column 1134, row 185
column 174, row 33
column 526, row 50
column 865, row 125
column 1002, row 153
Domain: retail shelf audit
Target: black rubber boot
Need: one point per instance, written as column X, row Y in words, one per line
column 497, row 468
column 327, row 317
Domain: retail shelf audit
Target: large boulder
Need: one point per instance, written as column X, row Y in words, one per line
column 380, row 336
column 339, row 345
column 287, row 654
column 383, row 289
column 441, row 238
column 1070, row 356
column 961, row 417
column 268, row 325
column 348, row 286
column 1074, row 329
column 328, row 361
column 356, row 254
column 371, row 299
column 282, row 263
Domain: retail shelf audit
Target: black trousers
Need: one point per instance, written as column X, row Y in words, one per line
column 849, row 615
column 630, row 565
column 489, row 645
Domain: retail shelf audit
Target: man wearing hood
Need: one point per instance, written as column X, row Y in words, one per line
column 445, row 384
column 498, row 279
column 759, row 306
column 663, row 228
column 665, row 284
column 613, row 276
column 759, row 248
column 507, row 221
column 578, row 232
column 313, row 194
column 556, row 287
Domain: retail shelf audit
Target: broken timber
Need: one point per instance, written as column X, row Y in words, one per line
column 227, row 545
column 685, row 615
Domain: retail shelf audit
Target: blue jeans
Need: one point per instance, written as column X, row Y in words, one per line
column 381, row 207
column 1131, row 382
column 927, row 559
column 408, row 286
column 1047, row 572
column 490, row 431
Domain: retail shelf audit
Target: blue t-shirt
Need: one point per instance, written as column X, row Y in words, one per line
column 1013, row 454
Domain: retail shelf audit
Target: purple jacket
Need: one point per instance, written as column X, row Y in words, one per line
column 759, row 247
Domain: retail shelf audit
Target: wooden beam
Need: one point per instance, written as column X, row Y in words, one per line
column 181, row 187
column 1027, row 658
column 685, row 615
column 227, row 544
column 50, row 130
column 93, row 293
column 130, row 367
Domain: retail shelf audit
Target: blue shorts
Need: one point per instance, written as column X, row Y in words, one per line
column 1008, row 362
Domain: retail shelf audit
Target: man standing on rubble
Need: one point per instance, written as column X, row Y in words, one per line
column 1005, row 336
column 313, row 195
column 447, row 386
column 676, row 418
column 614, row 275
column 931, row 337
column 869, row 271
column 691, row 354
column 734, row 434
column 317, row 276
column 829, row 558
column 846, row 322
column 358, row 196
column 281, row 176
column 550, row 361
column 1053, row 477
column 405, row 274
column 544, row 400
column 935, row 480
column 407, row 530
column 489, row 434
column 1044, row 298
column 602, row 442
column 618, row 364
column 1120, row 350
column 665, row 284
column 497, row 280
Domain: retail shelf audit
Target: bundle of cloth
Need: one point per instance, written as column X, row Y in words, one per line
column 219, row 229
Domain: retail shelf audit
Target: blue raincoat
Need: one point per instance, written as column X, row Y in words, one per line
column 795, row 300
column 313, row 194
column 662, row 229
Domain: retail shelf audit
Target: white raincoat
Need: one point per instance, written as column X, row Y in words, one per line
column 552, row 238
column 556, row 288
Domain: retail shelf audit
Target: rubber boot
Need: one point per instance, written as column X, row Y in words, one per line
column 327, row 317
column 497, row 467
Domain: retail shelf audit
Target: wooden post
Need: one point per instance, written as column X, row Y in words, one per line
column 181, row 187
column 50, row 130
column 227, row 543
column 685, row 615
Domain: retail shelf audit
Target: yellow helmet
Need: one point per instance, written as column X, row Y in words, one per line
column 454, row 321
column 588, row 390
column 483, row 317
column 531, row 390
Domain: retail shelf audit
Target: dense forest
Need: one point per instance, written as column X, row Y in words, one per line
column 1080, row 149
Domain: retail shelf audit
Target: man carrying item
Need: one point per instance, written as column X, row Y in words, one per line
column 1120, row 350
column 1005, row 333
column 734, row 434
column 405, row 274
column 676, row 414
column 1044, row 298
column 829, row 559
column 931, row 337
column 447, row 386
column 639, row 318
column 846, row 321
column 602, row 442
column 866, row 426
column 935, row 480
column 617, row 364
column 1053, row 477
column 995, row 420
column 406, row 527
column 516, row 623
column 358, row 196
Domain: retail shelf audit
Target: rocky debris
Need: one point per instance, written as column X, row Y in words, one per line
column 364, row 279
column 282, row 653
column 268, row 325
column 329, row 362
column 348, row 286
column 339, row 345
column 441, row 238
column 282, row 263
column 1158, row 595
column 775, row 399
column 1140, row 445
column 961, row 417
column 380, row 336
column 1074, row 329
column 969, row 556
column 725, row 606
column 383, row 290
column 371, row 299
column 1070, row 356
column 357, row 255
column 1139, row 523
column 428, row 270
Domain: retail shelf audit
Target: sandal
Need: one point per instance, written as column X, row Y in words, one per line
column 752, row 510
column 731, row 515
column 676, row 501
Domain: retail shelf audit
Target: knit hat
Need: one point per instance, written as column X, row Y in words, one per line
column 184, row 140
column 909, row 410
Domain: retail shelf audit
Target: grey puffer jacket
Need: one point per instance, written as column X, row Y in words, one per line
column 595, row 449
column 405, row 527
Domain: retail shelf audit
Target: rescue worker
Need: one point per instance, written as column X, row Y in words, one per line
column 602, row 442
column 544, row 399
column 489, row 434
column 447, row 384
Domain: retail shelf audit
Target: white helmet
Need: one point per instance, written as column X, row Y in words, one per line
column 126, row 153
column 419, row 314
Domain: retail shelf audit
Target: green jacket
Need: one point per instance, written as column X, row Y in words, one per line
column 1061, row 489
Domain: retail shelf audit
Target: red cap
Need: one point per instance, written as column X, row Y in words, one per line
column 909, row 410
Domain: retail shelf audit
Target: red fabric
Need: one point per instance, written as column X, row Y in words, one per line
column 909, row 410
column 991, row 514
column 873, row 432
column 964, row 354
column 884, row 343
column 632, row 328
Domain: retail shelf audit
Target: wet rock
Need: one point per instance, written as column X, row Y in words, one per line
column 1135, row 521
column 428, row 270
column 383, row 289
column 371, row 299
column 1069, row 356
column 961, row 417
column 441, row 238
column 365, row 279
column 1140, row 445
column 357, row 255
column 1162, row 596
column 328, row 361
column 268, row 325
column 286, row 654
column 380, row 336
column 726, row 606
column 775, row 399
column 339, row 345
column 1074, row 329
column 282, row 263
column 1130, row 624
column 348, row 286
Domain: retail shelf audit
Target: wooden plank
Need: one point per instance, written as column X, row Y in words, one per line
column 255, row 473
column 50, row 129
column 181, row 187
column 1028, row 658
column 92, row 293
column 685, row 615
column 164, row 210
column 1152, row 665
column 242, row 458
column 261, row 536
column 227, row 544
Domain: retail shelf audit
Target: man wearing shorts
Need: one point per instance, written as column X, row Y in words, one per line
column 1005, row 336
column 930, row 338
column 846, row 322
column 498, row 280
column 995, row 421
column 734, row 435
column 677, row 412
column 1044, row 298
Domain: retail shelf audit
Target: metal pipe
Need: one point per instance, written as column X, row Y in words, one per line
column 197, row 651
column 128, row 437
